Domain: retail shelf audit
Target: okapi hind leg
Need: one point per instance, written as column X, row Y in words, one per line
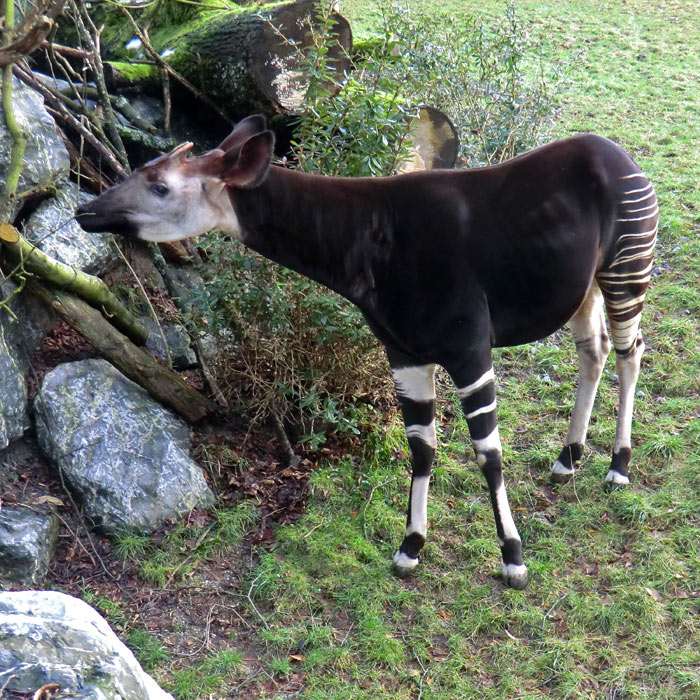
column 592, row 345
column 415, row 388
column 624, row 282
column 477, row 394
column 628, row 363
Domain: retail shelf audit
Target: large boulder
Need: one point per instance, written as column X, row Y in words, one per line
column 49, row 637
column 13, row 392
column 45, row 157
column 27, row 542
column 20, row 335
column 123, row 454
column 54, row 230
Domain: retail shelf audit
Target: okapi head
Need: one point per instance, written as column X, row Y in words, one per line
column 175, row 197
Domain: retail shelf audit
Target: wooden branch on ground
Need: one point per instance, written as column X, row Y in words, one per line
column 162, row 383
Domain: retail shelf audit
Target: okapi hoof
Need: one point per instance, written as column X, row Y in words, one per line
column 403, row 565
column 515, row 576
column 561, row 474
column 614, row 480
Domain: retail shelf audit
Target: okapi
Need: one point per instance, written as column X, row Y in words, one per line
column 444, row 265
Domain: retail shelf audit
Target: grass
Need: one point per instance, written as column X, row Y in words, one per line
column 612, row 608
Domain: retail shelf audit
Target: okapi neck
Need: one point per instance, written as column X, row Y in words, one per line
column 321, row 227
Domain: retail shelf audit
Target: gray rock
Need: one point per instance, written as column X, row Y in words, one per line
column 13, row 393
column 55, row 231
column 178, row 340
column 186, row 285
column 19, row 338
column 45, row 157
column 123, row 454
column 49, row 637
column 27, row 543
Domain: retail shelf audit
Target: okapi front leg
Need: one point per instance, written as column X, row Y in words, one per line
column 415, row 388
column 478, row 400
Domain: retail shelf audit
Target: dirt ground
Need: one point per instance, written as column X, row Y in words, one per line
column 192, row 619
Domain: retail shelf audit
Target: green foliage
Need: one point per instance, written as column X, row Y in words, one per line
column 150, row 652
column 479, row 74
column 214, row 674
column 184, row 548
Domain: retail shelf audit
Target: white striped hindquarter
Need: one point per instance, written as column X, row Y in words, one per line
column 623, row 281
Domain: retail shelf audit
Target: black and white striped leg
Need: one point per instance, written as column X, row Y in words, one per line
column 478, row 398
column 628, row 364
column 415, row 388
column 592, row 344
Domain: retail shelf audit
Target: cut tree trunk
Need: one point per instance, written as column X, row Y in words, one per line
column 434, row 141
column 248, row 62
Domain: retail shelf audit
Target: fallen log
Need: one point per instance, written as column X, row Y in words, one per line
column 254, row 62
column 29, row 258
column 162, row 383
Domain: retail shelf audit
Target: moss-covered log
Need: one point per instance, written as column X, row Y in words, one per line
column 162, row 383
column 30, row 259
column 252, row 62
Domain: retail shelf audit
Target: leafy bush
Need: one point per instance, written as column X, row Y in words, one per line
column 302, row 352
column 488, row 79
column 296, row 350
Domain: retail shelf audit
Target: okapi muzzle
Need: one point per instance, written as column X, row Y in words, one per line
column 445, row 266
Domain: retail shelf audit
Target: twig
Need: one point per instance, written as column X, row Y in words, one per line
column 67, row 50
column 83, row 19
column 152, row 311
column 252, row 604
column 58, row 109
column 7, row 682
column 207, row 635
column 291, row 459
column 315, row 527
column 75, row 534
column 422, row 678
column 554, row 605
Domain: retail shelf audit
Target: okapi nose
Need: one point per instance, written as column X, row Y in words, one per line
column 82, row 214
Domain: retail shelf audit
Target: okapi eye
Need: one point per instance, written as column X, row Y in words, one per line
column 160, row 189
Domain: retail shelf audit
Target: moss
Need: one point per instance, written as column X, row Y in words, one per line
column 134, row 72
column 167, row 27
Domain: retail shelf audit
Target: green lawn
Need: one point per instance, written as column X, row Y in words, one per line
column 612, row 608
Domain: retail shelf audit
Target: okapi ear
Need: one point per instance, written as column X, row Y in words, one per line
column 246, row 166
column 206, row 165
column 245, row 128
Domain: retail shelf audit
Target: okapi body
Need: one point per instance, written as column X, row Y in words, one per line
column 445, row 266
